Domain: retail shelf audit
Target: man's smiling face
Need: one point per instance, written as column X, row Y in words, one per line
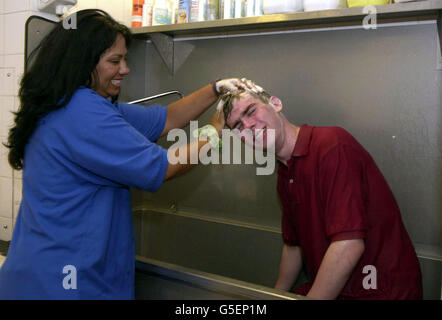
column 255, row 119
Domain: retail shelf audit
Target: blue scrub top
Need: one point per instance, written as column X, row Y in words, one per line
column 74, row 238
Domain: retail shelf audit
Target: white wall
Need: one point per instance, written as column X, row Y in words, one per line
column 13, row 16
column 120, row 10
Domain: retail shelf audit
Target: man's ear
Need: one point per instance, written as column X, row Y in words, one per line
column 276, row 103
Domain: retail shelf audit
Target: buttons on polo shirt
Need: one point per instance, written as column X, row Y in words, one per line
column 291, row 180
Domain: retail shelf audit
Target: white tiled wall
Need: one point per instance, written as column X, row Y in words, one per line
column 11, row 6
column 13, row 16
column 6, row 224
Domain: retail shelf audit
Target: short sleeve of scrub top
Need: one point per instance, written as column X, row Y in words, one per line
column 114, row 148
column 148, row 120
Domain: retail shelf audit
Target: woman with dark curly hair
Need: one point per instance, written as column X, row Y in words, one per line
column 81, row 151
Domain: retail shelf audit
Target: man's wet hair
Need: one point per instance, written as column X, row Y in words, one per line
column 230, row 97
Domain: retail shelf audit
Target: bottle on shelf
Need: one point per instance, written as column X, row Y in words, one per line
column 174, row 7
column 202, row 10
column 212, row 9
column 183, row 11
column 227, row 9
column 194, row 10
column 249, row 8
column 137, row 13
column 162, row 13
column 147, row 13
column 259, row 8
column 239, row 8
column 285, row 6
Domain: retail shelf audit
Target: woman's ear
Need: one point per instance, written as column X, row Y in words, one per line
column 93, row 79
column 276, row 103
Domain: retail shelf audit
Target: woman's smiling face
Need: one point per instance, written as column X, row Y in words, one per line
column 111, row 69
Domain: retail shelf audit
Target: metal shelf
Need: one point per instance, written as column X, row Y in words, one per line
column 421, row 10
column 163, row 36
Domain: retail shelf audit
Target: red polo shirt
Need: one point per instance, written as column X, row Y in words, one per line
column 331, row 190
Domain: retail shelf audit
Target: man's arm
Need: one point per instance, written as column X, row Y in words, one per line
column 289, row 267
column 336, row 267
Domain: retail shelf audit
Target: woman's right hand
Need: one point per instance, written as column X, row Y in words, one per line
column 234, row 84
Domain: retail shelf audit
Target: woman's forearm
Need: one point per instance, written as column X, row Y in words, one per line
column 180, row 112
column 186, row 157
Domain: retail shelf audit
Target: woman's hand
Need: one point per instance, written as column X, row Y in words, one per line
column 228, row 85
column 218, row 118
column 235, row 84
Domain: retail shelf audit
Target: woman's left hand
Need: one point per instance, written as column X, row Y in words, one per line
column 218, row 118
column 229, row 85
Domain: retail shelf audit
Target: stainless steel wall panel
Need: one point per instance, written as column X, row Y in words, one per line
column 381, row 85
column 431, row 278
column 240, row 253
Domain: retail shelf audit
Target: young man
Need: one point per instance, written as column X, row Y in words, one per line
column 339, row 215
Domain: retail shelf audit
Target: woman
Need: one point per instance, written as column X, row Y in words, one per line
column 80, row 154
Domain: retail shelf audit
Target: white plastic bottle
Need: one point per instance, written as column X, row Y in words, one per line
column 202, row 10
column 250, row 8
column 284, row 6
column 174, row 10
column 258, row 8
column 315, row 5
column 239, row 6
column 194, row 10
column 147, row 13
column 212, row 9
column 161, row 13
column 227, row 8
